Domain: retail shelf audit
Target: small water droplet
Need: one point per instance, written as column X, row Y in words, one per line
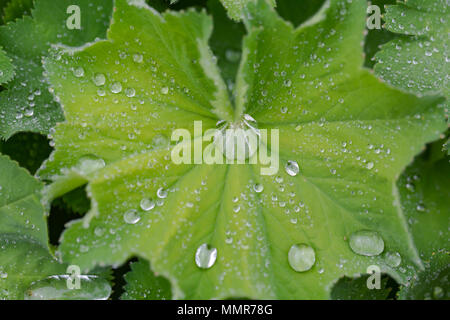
column 366, row 243
column 147, row 204
column 116, row 87
column 164, row 90
column 99, row 79
column 292, row 168
column 131, row 216
column 78, row 72
column 301, row 257
column 161, row 193
column 205, row 256
column 258, row 188
column 393, row 259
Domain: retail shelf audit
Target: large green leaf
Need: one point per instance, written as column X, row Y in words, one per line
column 418, row 61
column 27, row 105
column 350, row 134
column 25, row 256
column 27, row 268
column 142, row 284
column 235, row 7
column 6, row 68
column 425, row 189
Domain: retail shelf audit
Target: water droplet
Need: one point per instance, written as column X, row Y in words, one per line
column 393, row 259
column 78, row 72
column 301, row 257
column 99, row 79
column 205, row 256
column 161, row 193
column 131, row 216
column 89, row 163
column 130, row 92
column 116, row 87
column 138, row 58
column 258, row 188
column 292, row 168
column 366, row 243
column 369, row 165
column 147, row 204
column 164, row 90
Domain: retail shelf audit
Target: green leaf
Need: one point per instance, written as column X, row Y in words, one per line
column 356, row 289
column 431, row 284
column 143, row 284
column 377, row 37
column 16, row 9
column 6, row 68
column 350, row 134
column 425, row 190
column 27, row 105
column 27, row 268
column 417, row 61
column 25, row 256
column 235, row 7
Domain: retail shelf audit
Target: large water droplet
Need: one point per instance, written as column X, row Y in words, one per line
column 301, row 257
column 78, row 72
column 292, row 168
column 131, row 216
column 57, row 288
column 366, row 243
column 89, row 163
column 205, row 256
column 238, row 141
column 393, row 259
column 147, row 204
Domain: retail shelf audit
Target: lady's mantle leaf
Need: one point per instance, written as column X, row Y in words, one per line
column 24, row 254
column 235, row 7
column 26, row 104
column 27, row 268
column 417, row 62
column 425, row 190
column 142, row 284
column 350, row 134
column 6, row 68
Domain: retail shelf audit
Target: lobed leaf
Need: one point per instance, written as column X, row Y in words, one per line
column 350, row 135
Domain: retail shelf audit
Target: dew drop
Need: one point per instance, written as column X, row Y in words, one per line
column 164, row 90
column 161, row 193
column 78, row 72
column 366, row 243
column 116, row 87
column 258, row 188
column 292, row 168
column 147, row 204
column 393, row 259
column 301, row 257
column 131, row 216
column 130, row 92
column 205, row 256
column 99, row 79
column 138, row 58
